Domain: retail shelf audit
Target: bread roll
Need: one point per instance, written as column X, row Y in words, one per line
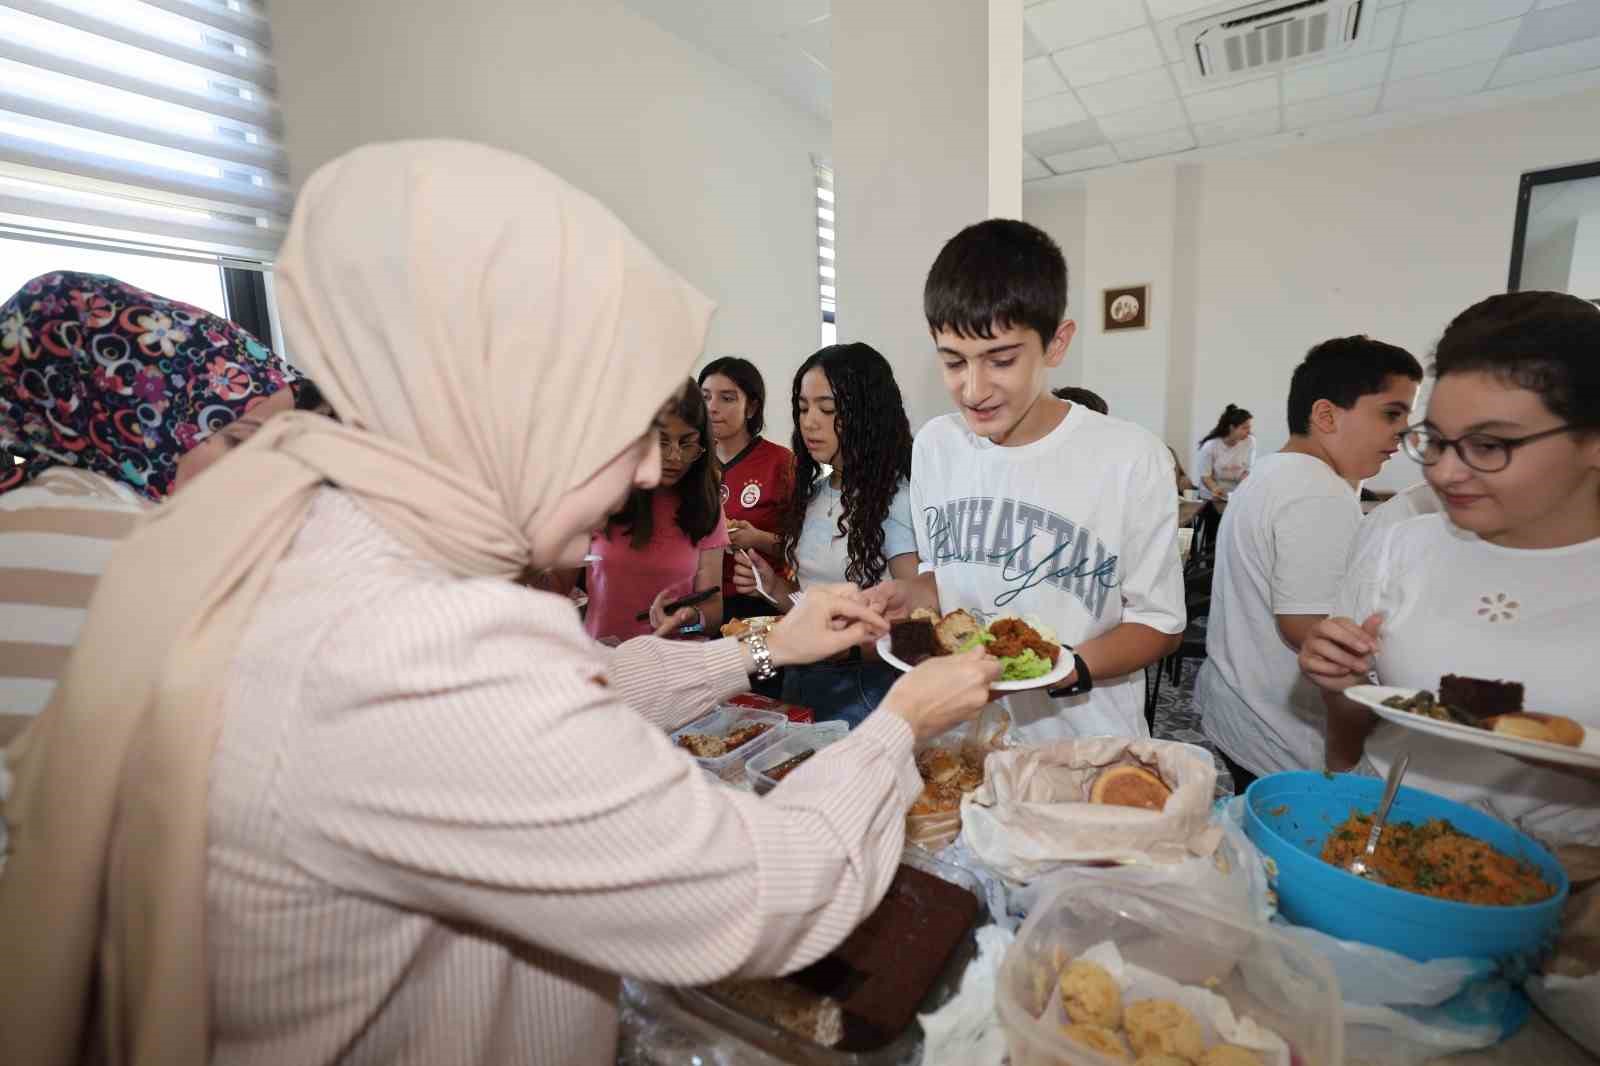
column 1550, row 728
column 1130, row 786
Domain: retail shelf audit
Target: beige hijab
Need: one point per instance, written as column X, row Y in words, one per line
column 492, row 337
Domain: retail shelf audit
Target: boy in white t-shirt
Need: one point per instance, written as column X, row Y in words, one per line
column 1282, row 551
column 1028, row 504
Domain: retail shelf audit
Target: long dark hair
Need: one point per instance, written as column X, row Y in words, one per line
column 875, row 445
column 1232, row 418
column 699, row 491
column 743, row 373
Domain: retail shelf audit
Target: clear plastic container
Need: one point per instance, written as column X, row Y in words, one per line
column 724, row 720
column 1263, row 976
column 800, row 738
column 904, row 1050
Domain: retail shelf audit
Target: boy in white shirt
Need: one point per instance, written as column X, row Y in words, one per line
column 1282, row 550
column 1028, row 504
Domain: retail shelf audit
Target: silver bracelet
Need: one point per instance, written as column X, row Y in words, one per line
column 765, row 668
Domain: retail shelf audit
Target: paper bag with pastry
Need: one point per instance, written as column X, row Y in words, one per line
column 1101, row 799
column 952, row 766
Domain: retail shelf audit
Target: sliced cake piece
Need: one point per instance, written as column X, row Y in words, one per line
column 912, row 640
column 1479, row 699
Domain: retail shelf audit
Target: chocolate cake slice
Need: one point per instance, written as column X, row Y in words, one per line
column 1478, row 699
column 913, row 640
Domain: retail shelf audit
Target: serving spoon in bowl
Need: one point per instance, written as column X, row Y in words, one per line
column 1361, row 865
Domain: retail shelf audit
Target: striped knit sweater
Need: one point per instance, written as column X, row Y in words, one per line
column 443, row 820
column 57, row 534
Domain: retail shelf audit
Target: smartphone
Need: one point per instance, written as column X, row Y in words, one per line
column 688, row 601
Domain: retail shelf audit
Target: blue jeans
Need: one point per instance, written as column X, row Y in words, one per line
column 838, row 692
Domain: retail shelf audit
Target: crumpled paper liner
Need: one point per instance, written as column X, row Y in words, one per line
column 988, row 734
column 1032, row 813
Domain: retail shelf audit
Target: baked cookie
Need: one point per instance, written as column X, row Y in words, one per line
column 1161, row 1026
column 1090, row 994
column 1098, row 1038
column 1229, row 1055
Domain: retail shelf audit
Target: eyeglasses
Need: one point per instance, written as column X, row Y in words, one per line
column 686, row 452
column 1483, row 452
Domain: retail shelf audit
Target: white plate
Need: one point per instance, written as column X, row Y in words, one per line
column 1062, row 671
column 1373, row 696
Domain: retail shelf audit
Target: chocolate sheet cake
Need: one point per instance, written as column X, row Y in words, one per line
column 913, row 640
column 1477, row 698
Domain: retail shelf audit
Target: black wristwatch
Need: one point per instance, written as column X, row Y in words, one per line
column 1081, row 683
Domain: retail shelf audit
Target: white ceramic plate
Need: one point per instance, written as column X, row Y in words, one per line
column 1373, row 696
column 1055, row 677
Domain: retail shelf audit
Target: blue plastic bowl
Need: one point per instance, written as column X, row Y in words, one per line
column 1289, row 817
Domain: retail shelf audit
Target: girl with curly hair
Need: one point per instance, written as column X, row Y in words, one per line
column 850, row 516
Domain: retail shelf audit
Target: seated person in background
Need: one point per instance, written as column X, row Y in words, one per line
column 1090, row 399
column 757, row 474
column 1222, row 462
column 1182, row 476
column 111, row 399
column 850, row 525
column 1282, row 551
column 1505, row 583
column 666, row 543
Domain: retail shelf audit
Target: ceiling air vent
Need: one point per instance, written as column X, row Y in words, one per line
column 1262, row 37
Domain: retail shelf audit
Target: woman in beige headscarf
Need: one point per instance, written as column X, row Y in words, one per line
column 321, row 785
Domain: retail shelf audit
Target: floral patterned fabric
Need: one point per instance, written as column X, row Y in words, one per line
column 99, row 375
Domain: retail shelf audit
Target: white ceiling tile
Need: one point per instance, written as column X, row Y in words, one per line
column 1238, row 128
column 1156, row 144
column 1085, row 134
column 1557, row 26
column 1330, row 109
column 1032, row 169
column 1391, row 3
column 1434, row 18
column 1146, row 120
column 1546, row 4
column 1048, row 112
column 1453, row 50
column 1167, row 34
column 1386, row 30
column 816, row 40
column 1463, row 81
column 1114, row 57
column 1064, row 23
column 1331, row 79
column 1040, row 78
column 1548, row 62
column 1032, row 47
column 1549, row 88
column 1165, row 9
column 1234, row 100
column 1128, row 94
column 1083, row 160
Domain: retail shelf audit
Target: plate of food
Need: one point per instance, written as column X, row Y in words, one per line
column 1029, row 653
column 1487, row 714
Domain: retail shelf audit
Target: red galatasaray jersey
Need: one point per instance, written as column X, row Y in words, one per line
column 756, row 487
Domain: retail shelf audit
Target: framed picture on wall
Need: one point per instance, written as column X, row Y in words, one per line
column 1126, row 308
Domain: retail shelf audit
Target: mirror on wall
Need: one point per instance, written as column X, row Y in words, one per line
column 1556, row 244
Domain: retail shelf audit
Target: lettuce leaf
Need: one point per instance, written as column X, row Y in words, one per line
column 1025, row 667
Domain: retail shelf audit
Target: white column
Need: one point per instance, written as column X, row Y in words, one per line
column 927, row 139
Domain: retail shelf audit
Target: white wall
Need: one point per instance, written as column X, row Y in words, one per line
column 1584, row 279
column 1060, row 213
column 1391, row 235
column 711, row 171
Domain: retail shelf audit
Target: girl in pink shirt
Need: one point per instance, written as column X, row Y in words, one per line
column 665, row 543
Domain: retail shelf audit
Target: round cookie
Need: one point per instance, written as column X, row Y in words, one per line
column 1160, row 1025
column 1229, row 1055
column 1090, row 994
column 1097, row 1038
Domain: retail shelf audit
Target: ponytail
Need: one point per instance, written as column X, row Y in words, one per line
column 1232, row 418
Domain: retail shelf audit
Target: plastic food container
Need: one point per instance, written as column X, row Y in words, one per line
column 798, row 739
column 904, row 1050
column 724, row 720
column 1289, row 817
column 1263, row 975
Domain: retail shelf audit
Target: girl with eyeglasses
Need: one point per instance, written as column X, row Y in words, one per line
column 1505, row 584
column 666, row 543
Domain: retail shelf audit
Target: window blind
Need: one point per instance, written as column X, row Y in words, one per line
column 143, row 121
column 827, row 289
